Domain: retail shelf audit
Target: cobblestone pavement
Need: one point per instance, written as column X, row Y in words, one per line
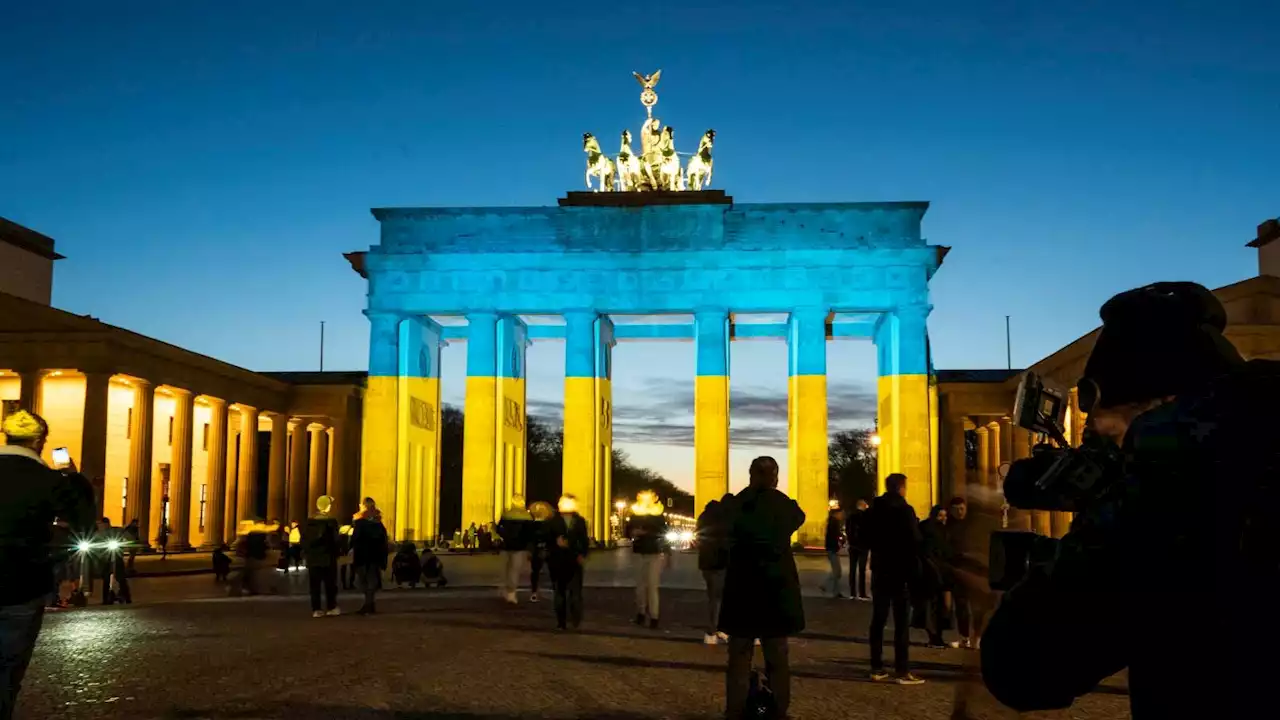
column 459, row 654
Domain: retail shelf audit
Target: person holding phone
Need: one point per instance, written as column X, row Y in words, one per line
column 33, row 497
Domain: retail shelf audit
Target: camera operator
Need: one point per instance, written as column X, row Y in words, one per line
column 1186, row 418
column 32, row 497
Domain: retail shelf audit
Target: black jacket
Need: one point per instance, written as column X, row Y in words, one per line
column 368, row 543
column 762, row 586
column 713, row 537
column 648, row 534
column 320, row 541
column 32, row 496
column 833, row 538
column 564, row 561
column 892, row 534
column 1105, row 605
column 516, row 529
column 853, row 529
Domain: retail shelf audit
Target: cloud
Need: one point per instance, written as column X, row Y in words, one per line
column 661, row 413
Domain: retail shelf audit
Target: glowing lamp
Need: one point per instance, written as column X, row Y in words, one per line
column 620, row 505
column 83, row 546
column 673, row 536
column 875, row 439
column 113, row 545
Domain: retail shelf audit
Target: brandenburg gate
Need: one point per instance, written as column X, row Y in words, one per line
column 650, row 239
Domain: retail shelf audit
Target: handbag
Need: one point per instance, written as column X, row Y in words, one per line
column 761, row 704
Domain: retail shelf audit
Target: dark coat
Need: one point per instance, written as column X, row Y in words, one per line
column 853, row 529
column 713, row 537
column 31, row 497
column 368, row 543
column 516, row 530
column 935, row 552
column 762, row 586
column 834, row 539
column 892, row 534
column 565, row 561
column 320, row 541
column 648, row 534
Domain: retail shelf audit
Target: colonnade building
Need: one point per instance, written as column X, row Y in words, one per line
column 168, row 435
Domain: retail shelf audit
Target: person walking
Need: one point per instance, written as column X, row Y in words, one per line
column 761, row 587
column 134, row 538
column 538, row 549
column 33, row 497
column 109, row 564
column 320, row 550
column 162, row 539
column 516, row 531
column 833, row 542
column 567, row 555
column 647, row 530
column 368, row 554
column 713, row 560
column 857, row 551
column 894, row 542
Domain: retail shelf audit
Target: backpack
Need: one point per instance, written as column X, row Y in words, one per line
column 761, row 705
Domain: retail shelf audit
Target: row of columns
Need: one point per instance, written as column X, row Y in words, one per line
column 999, row 442
column 404, row 374
column 231, row 481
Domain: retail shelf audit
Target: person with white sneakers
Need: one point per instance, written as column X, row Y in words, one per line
column 320, row 548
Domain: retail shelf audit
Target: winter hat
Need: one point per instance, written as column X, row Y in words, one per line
column 1158, row 340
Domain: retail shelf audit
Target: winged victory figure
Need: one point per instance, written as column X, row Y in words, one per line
column 648, row 82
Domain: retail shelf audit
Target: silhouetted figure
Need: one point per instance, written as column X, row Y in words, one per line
column 320, row 548
column 893, row 537
column 369, row 554
column 857, row 551
column 568, row 552
column 761, row 587
column 713, row 561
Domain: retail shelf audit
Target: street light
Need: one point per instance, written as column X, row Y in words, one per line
column 875, row 439
column 620, row 505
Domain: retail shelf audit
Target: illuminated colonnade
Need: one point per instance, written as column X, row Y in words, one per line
column 616, row 254
column 162, row 453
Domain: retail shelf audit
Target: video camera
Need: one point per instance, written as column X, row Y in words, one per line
column 1056, row 478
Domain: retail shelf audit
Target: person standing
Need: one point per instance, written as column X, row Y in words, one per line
column 162, row 538
column 647, row 530
column 933, row 595
column 516, row 530
column 33, row 497
column 713, row 559
column 368, row 555
column 957, row 549
column 834, row 541
column 761, row 587
column 320, row 543
column 134, row 538
column 857, row 551
column 110, row 564
column 894, row 542
column 567, row 554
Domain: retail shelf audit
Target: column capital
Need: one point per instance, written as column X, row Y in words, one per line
column 376, row 316
column 810, row 314
column 710, row 314
column 179, row 392
column 981, row 429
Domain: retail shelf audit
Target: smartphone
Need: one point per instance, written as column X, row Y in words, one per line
column 61, row 457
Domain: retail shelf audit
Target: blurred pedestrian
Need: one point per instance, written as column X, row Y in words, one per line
column 761, row 587
column 713, row 560
column 538, row 549
column 320, row 549
column 857, row 544
column 516, row 531
column 33, row 497
column 895, row 545
column 833, row 542
column 368, row 555
column 647, row 530
column 568, row 553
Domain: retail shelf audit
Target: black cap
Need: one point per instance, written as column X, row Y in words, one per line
column 1158, row 340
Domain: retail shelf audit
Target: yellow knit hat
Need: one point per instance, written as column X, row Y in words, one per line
column 24, row 425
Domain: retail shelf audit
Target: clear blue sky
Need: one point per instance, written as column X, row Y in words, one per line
column 203, row 165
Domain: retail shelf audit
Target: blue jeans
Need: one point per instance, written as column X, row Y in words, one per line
column 832, row 585
column 19, row 628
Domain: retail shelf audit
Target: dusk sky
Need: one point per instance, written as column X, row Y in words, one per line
column 203, row 165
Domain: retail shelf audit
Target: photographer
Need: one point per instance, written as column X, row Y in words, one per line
column 32, row 497
column 1175, row 413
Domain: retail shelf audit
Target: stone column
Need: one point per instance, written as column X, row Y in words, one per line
column 413, row 512
column 180, row 470
column 953, row 436
column 380, row 445
column 216, row 475
column 902, row 339
column 276, row 477
column 807, row 475
column 480, row 431
column 994, row 444
column 338, row 481
column 140, row 448
column 711, row 407
column 30, row 384
column 247, row 480
column 93, row 437
column 588, row 416
column 984, row 453
column 231, row 509
column 318, row 476
column 1006, row 440
column 299, row 462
